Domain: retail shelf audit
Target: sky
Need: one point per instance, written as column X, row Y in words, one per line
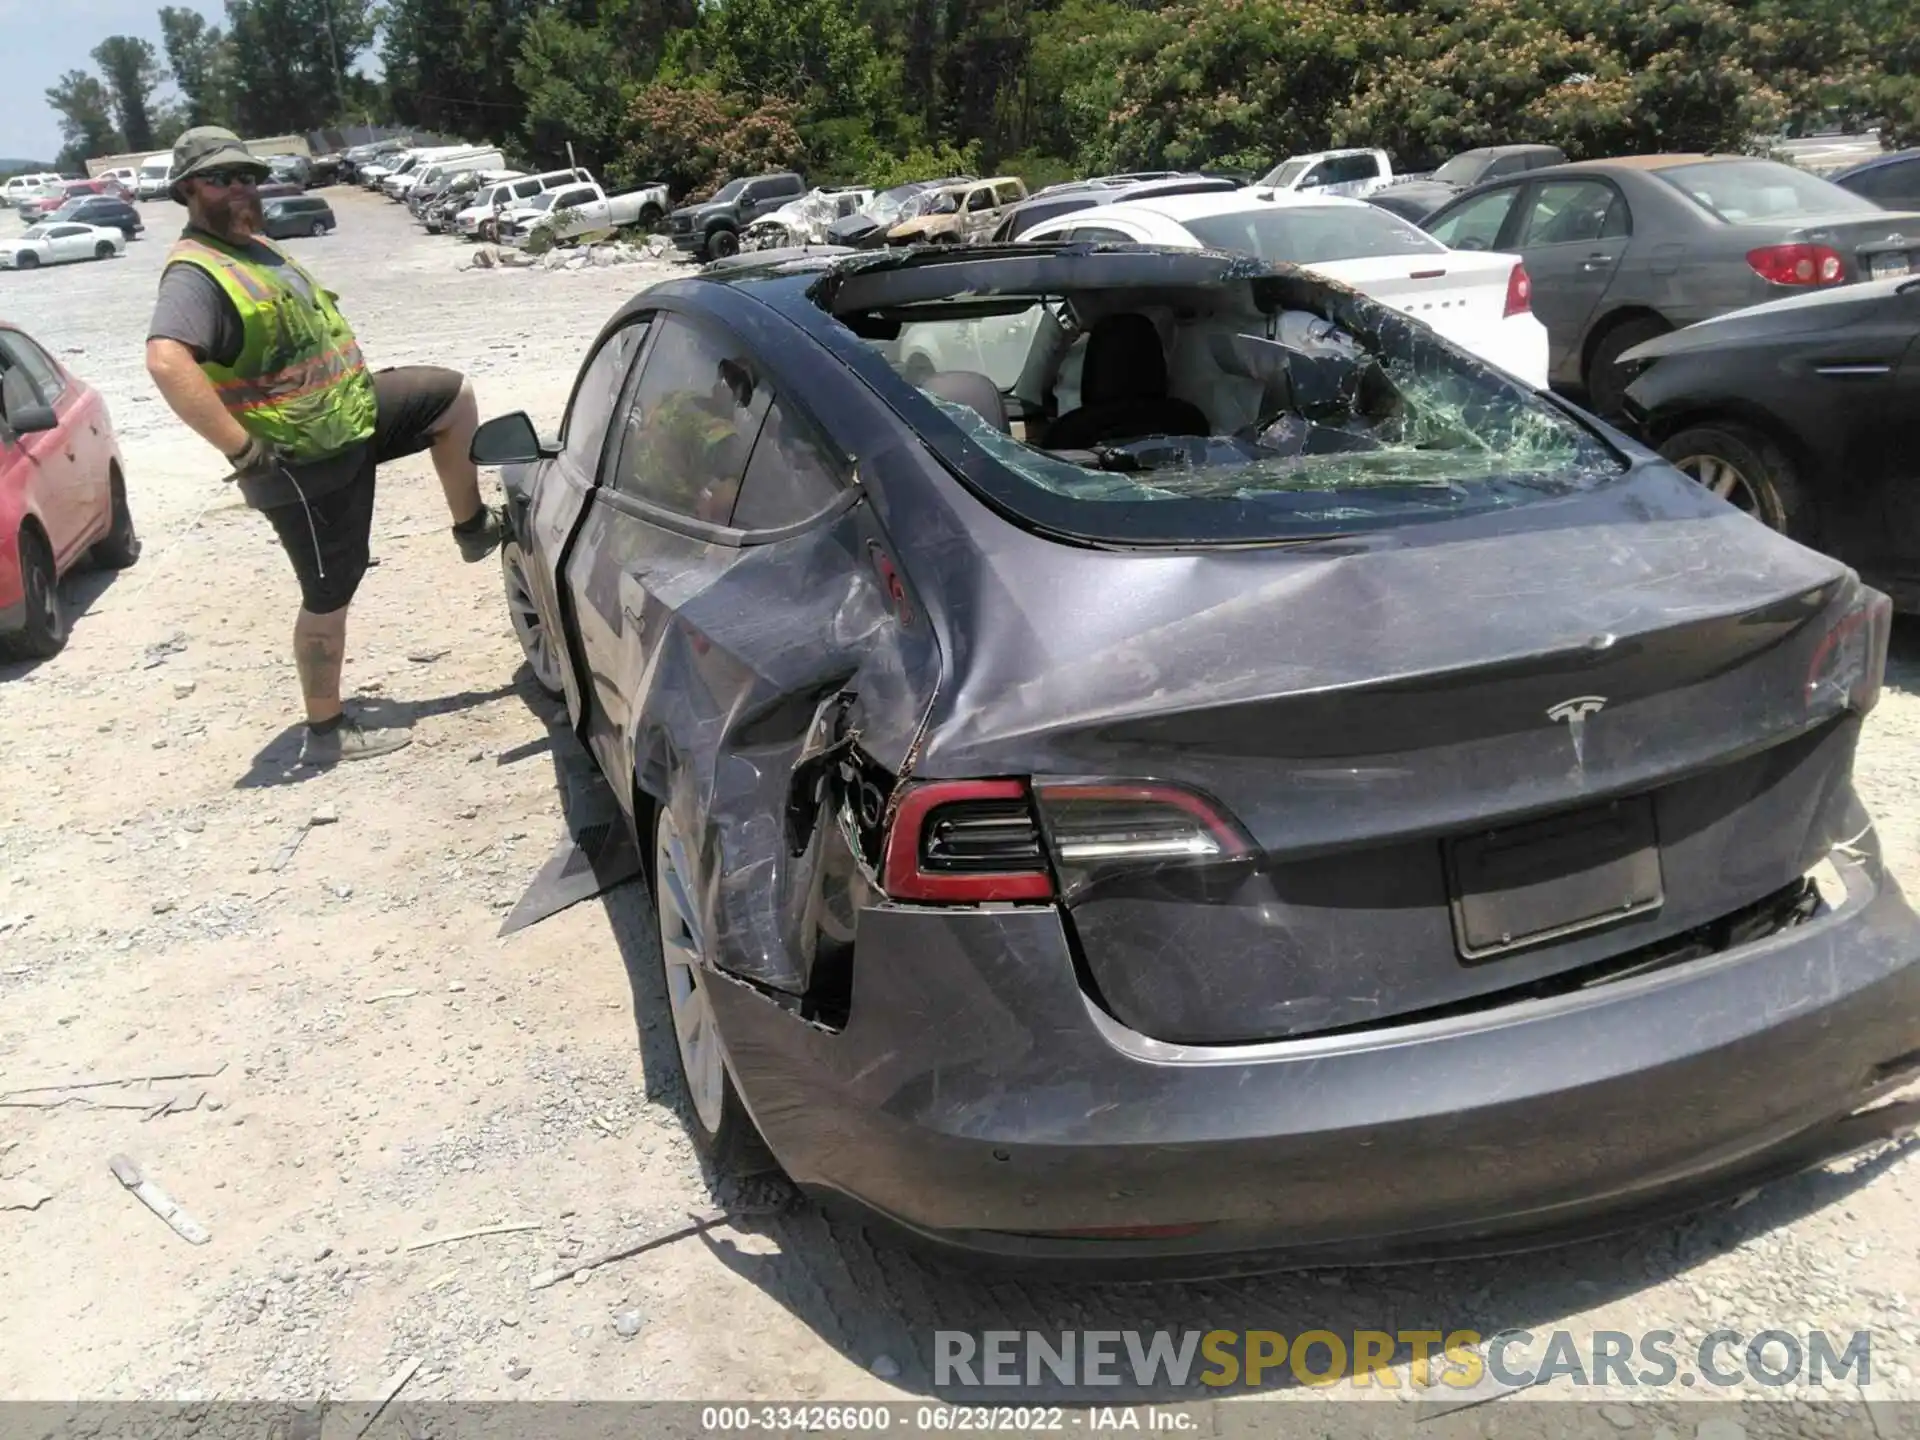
column 40, row 40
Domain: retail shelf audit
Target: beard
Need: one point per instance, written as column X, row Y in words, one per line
column 232, row 217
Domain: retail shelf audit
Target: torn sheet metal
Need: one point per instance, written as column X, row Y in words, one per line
column 597, row 852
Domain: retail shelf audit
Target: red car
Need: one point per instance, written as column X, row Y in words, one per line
column 63, row 493
column 47, row 204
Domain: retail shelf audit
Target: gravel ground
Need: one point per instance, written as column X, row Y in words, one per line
column 387, row 1074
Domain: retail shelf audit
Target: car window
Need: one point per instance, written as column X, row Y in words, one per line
column 1311, row 234
column 595, row 393
column 1742, row 191
column 526, row 187
column 571, row 198
column 64, row 232
column 1896, row 184
column 37, row 364
column 1098, row 235
column 691, row 423
column 1566, row 212
column 981, row 199
column 1007, row 193
column 1475, row 224
column 791, row 476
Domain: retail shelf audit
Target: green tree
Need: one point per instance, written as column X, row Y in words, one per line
column 580, row 65
column 86, row 119
column 290, row 61
column 450, row 64
column 201, row 59
column 812, row 52
column 133, row 72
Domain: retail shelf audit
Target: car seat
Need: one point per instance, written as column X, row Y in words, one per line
column 975, row 391
column 1123, row 390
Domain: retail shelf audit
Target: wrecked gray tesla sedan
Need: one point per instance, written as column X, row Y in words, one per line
column 1216, row 776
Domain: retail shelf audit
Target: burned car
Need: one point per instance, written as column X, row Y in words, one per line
column 960, row 213
column 1305, row 795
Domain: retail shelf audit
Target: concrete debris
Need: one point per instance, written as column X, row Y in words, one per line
column 184, row 687
column 158, row 1201
column 627, row 1324
column 517, row 1371
column 324, row 815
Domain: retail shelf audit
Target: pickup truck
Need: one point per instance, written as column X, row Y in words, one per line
column 1352, row 173
column 712, row 228
column 580, row 210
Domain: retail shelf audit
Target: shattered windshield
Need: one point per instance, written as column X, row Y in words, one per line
column 1243, row 427
column 946, row 202
column 1284, row 174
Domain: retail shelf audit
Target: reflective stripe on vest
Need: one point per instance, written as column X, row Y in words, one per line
column 302, row 378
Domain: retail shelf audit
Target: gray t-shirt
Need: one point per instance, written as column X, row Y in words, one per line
column 193, row 310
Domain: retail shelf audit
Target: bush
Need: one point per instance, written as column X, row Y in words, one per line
column 696, row 139
column 924, row 162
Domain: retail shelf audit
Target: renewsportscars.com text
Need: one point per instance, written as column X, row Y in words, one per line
column 1456, row 1359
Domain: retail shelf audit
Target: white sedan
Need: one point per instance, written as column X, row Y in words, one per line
column 1480, row 301
column 51, row 244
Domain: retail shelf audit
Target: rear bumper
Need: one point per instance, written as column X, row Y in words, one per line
column 977, row 1098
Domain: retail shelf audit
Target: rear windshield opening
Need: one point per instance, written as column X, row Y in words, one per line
column 1741, row 192
column 1312, row 234
column 1206, row 415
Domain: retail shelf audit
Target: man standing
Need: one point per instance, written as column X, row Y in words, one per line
column 253, row 354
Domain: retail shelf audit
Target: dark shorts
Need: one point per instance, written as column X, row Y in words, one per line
column 326, row 536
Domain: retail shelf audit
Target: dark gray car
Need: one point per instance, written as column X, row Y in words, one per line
column 1243, row 808
column 1415, row 199
column 1891, row 181
column 1622, row 250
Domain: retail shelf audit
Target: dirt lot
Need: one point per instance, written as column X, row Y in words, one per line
column 390, row 1073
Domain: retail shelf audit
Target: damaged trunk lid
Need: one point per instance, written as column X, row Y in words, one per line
column 1436, row 768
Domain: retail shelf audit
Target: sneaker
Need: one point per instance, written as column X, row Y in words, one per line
column 478, row 544
column 350, row 740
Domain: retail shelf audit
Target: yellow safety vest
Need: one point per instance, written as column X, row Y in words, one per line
column 299, row 381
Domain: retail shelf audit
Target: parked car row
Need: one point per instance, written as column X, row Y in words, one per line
column 470, row 193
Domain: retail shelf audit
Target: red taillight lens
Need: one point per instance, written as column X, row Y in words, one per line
column 1797, row 264
column 1094, row 829
column 965, row 842
column 1851, row 659
column 1519, row 292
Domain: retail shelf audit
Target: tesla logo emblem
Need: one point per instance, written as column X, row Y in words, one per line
column 1578, row 708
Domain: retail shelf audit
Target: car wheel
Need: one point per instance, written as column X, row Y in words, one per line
column 723, row 243
column 45, row 630
column 719, row 1122
column 120, row 546
column 103, row 251
column 1605, row 381
column 28, row 261
column 318, row 228
column 650, row 216
column 1747, row 470
column 543, row 657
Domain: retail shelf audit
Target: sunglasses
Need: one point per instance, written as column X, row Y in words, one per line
column 224, row 178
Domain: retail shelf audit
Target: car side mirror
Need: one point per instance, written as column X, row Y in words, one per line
column 509, row 440
column 32, row 419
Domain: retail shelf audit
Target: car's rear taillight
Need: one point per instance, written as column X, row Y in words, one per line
column 965, row 842
column 1095, row 829
column 1519, row 292
column 1851, row 660
column 1799, row 264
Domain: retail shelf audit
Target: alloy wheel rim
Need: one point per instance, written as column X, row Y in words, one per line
column 681, row 946
column 1723, row 478
column 527, row 625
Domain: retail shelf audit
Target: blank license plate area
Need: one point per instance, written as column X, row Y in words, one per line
column 1888, row 263
column 1531, row 883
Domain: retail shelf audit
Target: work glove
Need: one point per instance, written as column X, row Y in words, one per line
column 255, row 457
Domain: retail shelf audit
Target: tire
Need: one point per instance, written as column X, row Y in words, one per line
column 120, row 546
column 717, row 1121
column 104, row 250
column 317, row 229
column 543, row 657
column 1606, row 385
column 650, row 216
column 28, row 261
column 45, row 632
column 722, row 243
column 1747, row 470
